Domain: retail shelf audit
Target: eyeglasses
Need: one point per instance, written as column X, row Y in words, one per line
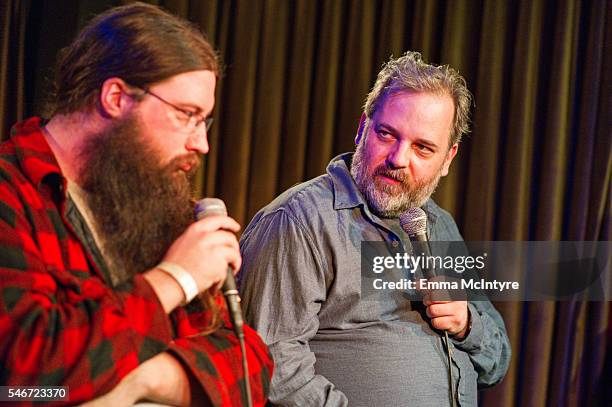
column 190, row 120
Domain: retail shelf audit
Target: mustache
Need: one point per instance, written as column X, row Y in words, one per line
column 398, row 175
column 192, row 159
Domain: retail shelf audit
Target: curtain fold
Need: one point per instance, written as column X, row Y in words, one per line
column 298, row 99
column 536, row 166
column 489, row 95
column 13, row 15
column 327, row 66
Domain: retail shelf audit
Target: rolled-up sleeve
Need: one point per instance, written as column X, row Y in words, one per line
column 487, row 344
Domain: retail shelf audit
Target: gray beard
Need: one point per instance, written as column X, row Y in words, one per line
column 389, row 201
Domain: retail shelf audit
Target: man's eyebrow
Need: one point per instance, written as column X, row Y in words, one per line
column 190, row 106
column 194, row 108
column 385, row 126
column 427, row 143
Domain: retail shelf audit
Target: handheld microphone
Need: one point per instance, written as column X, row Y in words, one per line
column 210, row 207
column 414, row 223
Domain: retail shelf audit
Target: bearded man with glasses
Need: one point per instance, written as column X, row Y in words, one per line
column 100, row 259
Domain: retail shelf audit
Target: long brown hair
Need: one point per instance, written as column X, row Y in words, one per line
column 142, row 44
column 139, row 43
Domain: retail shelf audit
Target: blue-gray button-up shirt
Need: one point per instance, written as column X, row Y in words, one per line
column 301, row 290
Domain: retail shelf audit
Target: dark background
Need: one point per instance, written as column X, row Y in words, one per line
column 537, row 165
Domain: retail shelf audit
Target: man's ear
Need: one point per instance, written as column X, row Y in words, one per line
column 361, row 128
column 452, row 152
column 114, row 100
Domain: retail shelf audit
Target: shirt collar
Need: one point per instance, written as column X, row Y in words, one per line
column 33, row 152
column 347, row 195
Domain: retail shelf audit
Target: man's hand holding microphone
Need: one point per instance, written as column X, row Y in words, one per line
column 205, row 251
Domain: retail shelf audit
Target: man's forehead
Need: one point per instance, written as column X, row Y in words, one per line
column 201, row 77
column 193, row 87
column 394, row 94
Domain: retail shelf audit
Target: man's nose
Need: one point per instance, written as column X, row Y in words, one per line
column 399, row 156
column 198, row 141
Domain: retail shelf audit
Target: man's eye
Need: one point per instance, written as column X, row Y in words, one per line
column 188, row 116
column 384, row 135
column 423, row 149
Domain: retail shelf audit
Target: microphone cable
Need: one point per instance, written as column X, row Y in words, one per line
column 449, row 354
column 214, row 206
column 233, row 303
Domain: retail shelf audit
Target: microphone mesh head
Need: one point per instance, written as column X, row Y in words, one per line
column 208, row 207
column 414, row 221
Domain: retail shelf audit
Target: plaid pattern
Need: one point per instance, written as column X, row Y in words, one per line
column 62, row 324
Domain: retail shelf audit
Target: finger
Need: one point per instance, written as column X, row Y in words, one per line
column 236, row 268
column 450, row 324
column 440, row 310
column 216, row 222
column 220, row 238
column 231, row 256
column 433, row 311
column 442, row 323
column 430, row 298
column 440, row 296
column 236, row 263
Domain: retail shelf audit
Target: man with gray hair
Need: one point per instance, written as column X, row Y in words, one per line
column 302, row 282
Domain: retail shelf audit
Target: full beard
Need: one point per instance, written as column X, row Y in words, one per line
column 385, row 200
column 139, row 207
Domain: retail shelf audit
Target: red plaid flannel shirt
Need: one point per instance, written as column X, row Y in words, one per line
column 62, row 324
